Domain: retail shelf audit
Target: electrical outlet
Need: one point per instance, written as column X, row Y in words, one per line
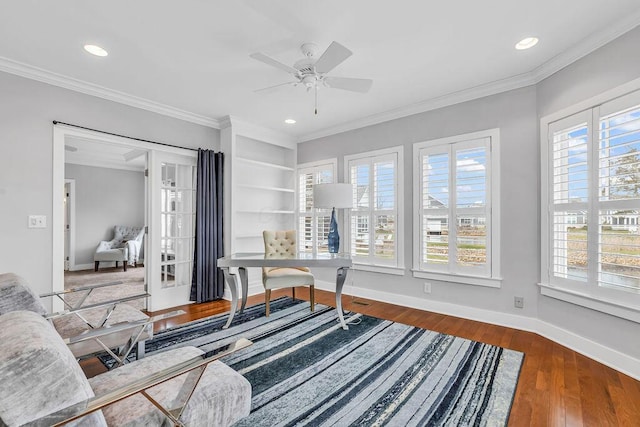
column 427, row 287
column 518, row 302
column 37, row 221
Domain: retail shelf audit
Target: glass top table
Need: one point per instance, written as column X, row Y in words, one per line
column 243, row 260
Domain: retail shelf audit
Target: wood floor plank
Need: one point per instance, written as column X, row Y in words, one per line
column 557, row 386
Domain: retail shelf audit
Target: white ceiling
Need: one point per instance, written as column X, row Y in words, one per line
column 190, row 58
column 79, row 151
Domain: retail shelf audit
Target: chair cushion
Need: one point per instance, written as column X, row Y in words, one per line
column 117, row 254
column 38, row 373
column 15, row 294
column 222, row 397
column 286, row 278
column 71, row 325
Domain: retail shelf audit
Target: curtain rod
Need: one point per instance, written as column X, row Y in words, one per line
column 56, row 122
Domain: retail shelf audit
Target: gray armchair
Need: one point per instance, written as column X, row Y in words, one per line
column 86, row 328
column 41, row 384
column 125, row 246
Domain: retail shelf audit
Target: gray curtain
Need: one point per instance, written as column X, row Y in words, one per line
column 208, row 281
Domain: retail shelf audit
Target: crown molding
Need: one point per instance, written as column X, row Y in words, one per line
column 34, row 73
column 452, row 98
column 264, row 134
column 555, row 64
column 586, row 46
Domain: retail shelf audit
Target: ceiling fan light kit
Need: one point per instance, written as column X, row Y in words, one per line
column 312, row 72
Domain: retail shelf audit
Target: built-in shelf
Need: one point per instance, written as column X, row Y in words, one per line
column 264, row 187
column 265, row 164
column 260, row 185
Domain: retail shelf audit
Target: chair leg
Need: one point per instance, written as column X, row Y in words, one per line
column 124, row 265
column 312, row 297
column 267, row 297
column 96, row 267
column 293, row 292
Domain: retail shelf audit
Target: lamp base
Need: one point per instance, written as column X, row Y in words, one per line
column 333, row 237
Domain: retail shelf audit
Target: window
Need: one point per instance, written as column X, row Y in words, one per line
column 592, row 182
column 313, row 224
column 456, row 220
column 375, row 222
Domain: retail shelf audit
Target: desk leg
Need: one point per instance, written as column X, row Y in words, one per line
column 244, row 280
column 231, row 280
column 340, row 278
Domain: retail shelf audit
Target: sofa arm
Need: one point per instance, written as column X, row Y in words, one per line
column 105, row 245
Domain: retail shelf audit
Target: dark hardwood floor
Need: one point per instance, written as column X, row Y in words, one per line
column 557, row 386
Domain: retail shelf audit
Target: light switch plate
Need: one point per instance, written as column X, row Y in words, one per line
column 37, row 221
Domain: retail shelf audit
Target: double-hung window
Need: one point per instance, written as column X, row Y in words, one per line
column 456, row 209
column 591, row 195
column 375, row 221
column 313, row 224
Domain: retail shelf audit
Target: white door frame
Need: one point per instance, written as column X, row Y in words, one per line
column 60, row 133
column 71, row 203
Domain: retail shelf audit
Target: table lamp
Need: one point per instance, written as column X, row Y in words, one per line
column 333, row 196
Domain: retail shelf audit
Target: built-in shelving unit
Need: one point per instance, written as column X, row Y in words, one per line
column 260, row 169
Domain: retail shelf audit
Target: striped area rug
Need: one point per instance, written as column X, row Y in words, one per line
column 306, row 370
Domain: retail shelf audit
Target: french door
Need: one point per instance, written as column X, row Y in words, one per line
column 171, row 228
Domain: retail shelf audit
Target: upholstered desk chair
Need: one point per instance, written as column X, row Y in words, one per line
column 282, row 245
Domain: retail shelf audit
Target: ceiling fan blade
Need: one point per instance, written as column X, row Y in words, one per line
column 332, row 57
column 346, row 83
column 273, row 87
column 274, row 63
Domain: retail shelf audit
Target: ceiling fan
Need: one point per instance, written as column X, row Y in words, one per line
column 311, row 71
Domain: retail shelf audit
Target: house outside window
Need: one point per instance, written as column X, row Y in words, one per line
column 374, row 224
column 591, row 195
column 456, row 214
column 313, row 224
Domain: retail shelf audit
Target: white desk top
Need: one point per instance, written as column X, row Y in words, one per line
column 302, row 259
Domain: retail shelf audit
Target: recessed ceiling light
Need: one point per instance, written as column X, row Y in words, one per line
column 289, row 121
column 527, row 43
column 95, row 50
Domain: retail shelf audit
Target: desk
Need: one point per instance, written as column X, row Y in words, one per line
column 341, row 262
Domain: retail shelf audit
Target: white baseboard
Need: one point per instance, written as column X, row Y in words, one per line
column 254, row 288
column 614, row 359
column 79, row 267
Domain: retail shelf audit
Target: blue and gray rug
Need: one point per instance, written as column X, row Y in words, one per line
column 306, row 370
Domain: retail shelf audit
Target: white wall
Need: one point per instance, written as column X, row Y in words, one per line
column 27, row 109
column 517, row 114
column 103, row 198
column 514, row 113
column 612, row 65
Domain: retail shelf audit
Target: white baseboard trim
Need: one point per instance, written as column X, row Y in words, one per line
column 614, row 359
column 254, row 288
column 79, row 267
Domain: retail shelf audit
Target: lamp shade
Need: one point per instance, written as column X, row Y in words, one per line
column 333, row 196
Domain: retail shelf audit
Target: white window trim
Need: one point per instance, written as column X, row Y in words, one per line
column 627, row 305
column 494, row 280
column 399, row 268
column 333, row 163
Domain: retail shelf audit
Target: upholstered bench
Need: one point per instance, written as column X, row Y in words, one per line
column 39, row 376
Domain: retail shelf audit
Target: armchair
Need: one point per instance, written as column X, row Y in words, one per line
column 126, row 326
column 125, row 246
column 40, row 384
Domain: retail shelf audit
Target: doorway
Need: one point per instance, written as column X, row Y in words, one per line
column 160, row 277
